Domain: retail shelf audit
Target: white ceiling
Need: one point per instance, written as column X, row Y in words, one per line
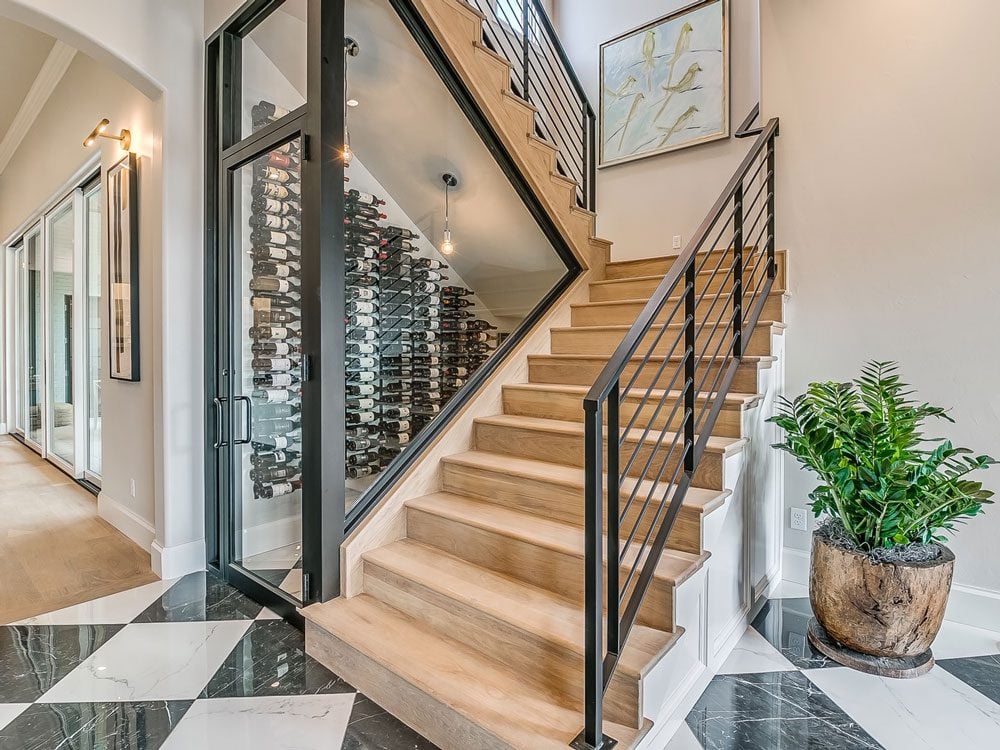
column 22, row 52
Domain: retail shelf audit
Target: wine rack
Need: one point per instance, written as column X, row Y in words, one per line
column 275, row 332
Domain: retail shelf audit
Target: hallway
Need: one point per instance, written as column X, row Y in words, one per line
column 54, row 549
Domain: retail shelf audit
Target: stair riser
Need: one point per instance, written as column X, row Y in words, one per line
column 555, row 570
column 569, row 407
column 585, row 372
column 643, row 288
column 659, row 266
column 567, row 449
column 625, row 313
column 560, row 503
column 604, row 342
column 551, row 665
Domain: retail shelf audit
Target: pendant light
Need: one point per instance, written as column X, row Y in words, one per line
column 450, row 181
column 351, row 49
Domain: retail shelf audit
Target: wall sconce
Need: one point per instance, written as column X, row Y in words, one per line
column 351, row 49
column 450, row 181
column 125, row 137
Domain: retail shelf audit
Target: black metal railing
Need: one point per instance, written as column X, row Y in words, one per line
column 650, row 413
column 520, row 31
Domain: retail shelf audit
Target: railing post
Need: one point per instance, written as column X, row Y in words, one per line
column 614, row 520
column 738, row 272
column 689, row 364
column 525, row 48
column 592, row 160
column 771, row 269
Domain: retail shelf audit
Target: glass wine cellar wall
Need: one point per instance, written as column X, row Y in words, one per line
column 369, row 261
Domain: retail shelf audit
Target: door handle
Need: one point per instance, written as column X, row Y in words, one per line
column 246, row 422
column 219, row 442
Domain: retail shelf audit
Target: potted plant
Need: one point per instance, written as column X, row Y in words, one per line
column 879, row 572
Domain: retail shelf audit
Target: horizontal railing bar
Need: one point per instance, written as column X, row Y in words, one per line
column 653, row 382
column 635, row 375
column 616, row 364
column 715, row 247
column 550, row 33
column 723, row 255
column 715, row 301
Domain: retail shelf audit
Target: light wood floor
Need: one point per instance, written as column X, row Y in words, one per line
column 54, row 550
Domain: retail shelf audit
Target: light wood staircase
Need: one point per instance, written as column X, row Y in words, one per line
column 470, row 628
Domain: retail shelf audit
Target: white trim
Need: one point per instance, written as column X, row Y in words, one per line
column 795, row 565
column 86, row 170
column 126, row 520
column 179, row 560
column 49, row 75
column 971, row 605
column 271, row 535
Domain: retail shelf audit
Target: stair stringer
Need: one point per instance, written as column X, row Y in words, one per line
column 387, row 521
column 458, row 28
column 716, row 605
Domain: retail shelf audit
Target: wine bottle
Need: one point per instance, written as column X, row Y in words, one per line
column 361, row 376
column 269, row 380
column 359, row 389
column 456, row 302
column 360, row 417
column 277, row 489
column 290, row 441
column 276, row 316
column 360, row 223
column 261, row 236
column 278, row 333
column 274, row 458
column 262, row 188
column 265, row 110
column 277, row 364
column 273, row 206
column 267, row 254
column 360, row 363
column 271, row 221
column 273, row 284
column 356, row 196
column 365, row 211
column 357, row 265
column 274, row 395
column 358, row 472
column 290, row 270
column 361, row 293
column 362, row 334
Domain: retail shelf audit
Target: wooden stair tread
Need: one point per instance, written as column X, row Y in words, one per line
column 697, row 498
column 481, row 689
column 643, row 300
column 655, row 394
column 674, row 566
column 623, row 328
column 521, row 605
column 762, row 359
column 715, row 443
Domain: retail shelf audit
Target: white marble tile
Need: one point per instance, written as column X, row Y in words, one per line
column 10, row 711
column 116, row 609
column 956, row 641
column 151, row 661
column 293, row 583
column 275, row 559
column 683, row 739
column 753, row 653
column 309, row 722
column 268, row 614
column 789, row 590
column 931, row 712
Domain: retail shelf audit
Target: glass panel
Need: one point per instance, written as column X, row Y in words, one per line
column 92, row 236
column 437, row 276
column 59, row 234
column 35, row 343
column 17, row 331
column 274, row 66
column 267, row 336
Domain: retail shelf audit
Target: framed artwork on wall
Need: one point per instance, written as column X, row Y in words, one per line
column 123, row 268
column 665, row 85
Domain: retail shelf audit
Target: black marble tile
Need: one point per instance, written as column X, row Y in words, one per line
column 979, row 672
column 373, row 728
column 198, row 597
column 93, row 726
column 771, row 710
column 784, row 622
column 271, row 660
column 33, row 658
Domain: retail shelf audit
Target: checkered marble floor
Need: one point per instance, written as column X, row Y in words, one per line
column 178, row 665
column 776, row 691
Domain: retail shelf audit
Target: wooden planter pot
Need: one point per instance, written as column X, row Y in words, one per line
column 891, row 612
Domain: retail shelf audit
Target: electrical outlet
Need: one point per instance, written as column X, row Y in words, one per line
column 131, row 485
column 677, row 242
column 799, row 519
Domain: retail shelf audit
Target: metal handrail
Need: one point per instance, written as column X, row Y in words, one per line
column 521, row 32
column 714, row 327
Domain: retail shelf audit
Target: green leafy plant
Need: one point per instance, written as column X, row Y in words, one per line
column 881, row 479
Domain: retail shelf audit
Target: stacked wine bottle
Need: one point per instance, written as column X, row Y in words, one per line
column 276, row 329
column 466, row 340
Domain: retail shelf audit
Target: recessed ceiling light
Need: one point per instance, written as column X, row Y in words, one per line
column 352, row 102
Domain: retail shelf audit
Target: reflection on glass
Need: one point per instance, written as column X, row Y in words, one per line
column 425, row 310
column 34, row 339
column 60, row 310
column 92, row 235
column 268, row 442
column 274, row 66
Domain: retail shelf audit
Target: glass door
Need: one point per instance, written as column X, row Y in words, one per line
column 60, row 231
column 92, row 259
column 15, row 328
column 34, row 330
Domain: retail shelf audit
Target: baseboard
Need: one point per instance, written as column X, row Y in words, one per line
column 271, row 535
column 971, row 605
column 178, row 560
column 795, row 565
column 126, row 520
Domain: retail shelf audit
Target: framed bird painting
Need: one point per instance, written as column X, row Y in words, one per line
column 665, row 85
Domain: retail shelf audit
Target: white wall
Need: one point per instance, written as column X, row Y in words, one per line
column 159, row 48
column 643, row 204
column 46, row 158
column 889, row 204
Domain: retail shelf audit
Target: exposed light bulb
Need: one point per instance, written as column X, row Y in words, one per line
column 347, row 154
column 447, row 247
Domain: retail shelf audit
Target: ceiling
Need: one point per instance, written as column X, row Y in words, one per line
column 22, row 53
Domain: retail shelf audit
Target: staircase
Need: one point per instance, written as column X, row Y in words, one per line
column 470, row 628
